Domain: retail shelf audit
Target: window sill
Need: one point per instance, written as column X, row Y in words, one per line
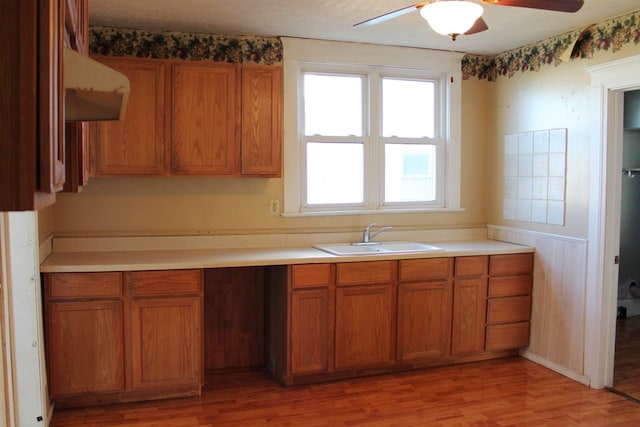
column 370, row 212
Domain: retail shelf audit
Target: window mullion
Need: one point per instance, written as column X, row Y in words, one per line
column 376, row 148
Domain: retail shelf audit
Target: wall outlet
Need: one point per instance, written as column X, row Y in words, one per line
column 274, row 207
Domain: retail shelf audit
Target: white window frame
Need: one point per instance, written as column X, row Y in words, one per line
column 302, row 55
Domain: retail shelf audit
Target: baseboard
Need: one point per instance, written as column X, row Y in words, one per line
column 556, row 368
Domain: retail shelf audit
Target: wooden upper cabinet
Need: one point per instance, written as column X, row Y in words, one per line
column 76, row 20
column 31, row 95
column 134, row 145
column 77, row 161
column 51, row 92
column 204, row 119
column 262, row 121
column 194, row 118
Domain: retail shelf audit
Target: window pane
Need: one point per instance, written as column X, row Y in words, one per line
column 335, row 173
column 332, row 105
column 407, row 108
column 410, row 172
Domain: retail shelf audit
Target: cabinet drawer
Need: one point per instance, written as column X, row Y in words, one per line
column 510, row 286
column 84, row 285
column 502, row 265
column 164, row 283
column 310, row 276
column 507, row 336
column 364, row 272
column 471, row 265
column 511, row 309
column 425, row 269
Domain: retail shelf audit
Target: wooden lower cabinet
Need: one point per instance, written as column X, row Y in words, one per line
column 469, row 305
column 365, row 319
column 299, row 342
column 126, row 336
column 342, row 320
column 166, row 328
column 117, row 337
column 310, row 325
column 79, row 333
column 365, row 314
column 165, row 341
column 509, row 301
column 425, row 295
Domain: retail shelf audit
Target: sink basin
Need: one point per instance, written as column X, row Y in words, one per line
column 386, row 248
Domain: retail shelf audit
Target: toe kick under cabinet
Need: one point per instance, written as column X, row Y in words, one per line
column 341, row 320
column 123, row 336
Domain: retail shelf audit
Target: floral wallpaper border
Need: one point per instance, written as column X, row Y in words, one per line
column 193, row 46
column 609, row 35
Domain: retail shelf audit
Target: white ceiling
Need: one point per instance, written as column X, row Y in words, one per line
column 509, row 27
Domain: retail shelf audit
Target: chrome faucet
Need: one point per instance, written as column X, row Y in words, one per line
column 367, row 236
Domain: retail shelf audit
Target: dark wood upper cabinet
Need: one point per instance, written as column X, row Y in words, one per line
column 40, row 155
column 31, row 103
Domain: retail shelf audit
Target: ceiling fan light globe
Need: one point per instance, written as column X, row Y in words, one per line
column 451, row 17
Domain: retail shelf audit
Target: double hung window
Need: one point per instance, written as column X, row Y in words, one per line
column 370, row 139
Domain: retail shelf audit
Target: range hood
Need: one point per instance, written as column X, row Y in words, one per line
column 93, row 91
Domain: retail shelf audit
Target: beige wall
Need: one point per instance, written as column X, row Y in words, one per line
column 45, row 223
column 134, row 206
column 554, row 97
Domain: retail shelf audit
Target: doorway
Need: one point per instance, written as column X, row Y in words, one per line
column 626, row 375
column 609, row 81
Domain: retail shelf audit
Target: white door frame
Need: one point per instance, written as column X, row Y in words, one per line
column 608, row 83
column 20, row 234
column 7, row 417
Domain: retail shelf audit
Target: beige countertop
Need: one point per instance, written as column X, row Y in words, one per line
column 167, row 259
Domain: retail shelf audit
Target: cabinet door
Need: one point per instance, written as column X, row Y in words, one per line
column 310, row 326
column 31, row 96
column 77, row 156
column 166, row 341
column 134, row 145
column 51, row 93
column 76, row 133
column 77, row 24
column 365, row 326
column 85, row 347
column 424, row 320
column 204, row 119
column 262, row 121
column 469, row 316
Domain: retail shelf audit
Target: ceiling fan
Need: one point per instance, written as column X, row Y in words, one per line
column 455, row 17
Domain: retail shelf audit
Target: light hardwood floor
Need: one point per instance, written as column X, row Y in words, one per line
column 626, row 374
column 508, row 392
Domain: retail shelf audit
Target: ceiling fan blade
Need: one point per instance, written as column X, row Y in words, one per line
column 554, row 5
column 390, row 15
column 479, row 26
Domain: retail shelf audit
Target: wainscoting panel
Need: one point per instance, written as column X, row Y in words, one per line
column 558, row 307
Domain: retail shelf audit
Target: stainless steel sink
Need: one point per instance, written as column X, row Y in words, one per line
column 386, row 248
